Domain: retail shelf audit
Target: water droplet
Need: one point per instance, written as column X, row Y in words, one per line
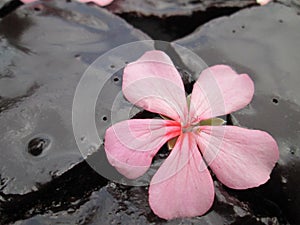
column 78, row 56
column 37, row 145
column 83, row 139
column 70, row 210
column 275, row 101
column 293, row 150
column 75, row 202
column 56, row 204
column 36, row 8
column 112, row 185
column 283, row 180
column 91, row 149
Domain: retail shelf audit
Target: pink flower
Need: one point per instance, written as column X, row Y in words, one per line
column 183, row 186
column 98, row 2
column 28, row 1
column 263, row 2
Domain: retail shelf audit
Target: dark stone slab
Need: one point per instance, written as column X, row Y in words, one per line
column 170, row 20
column 7, row 6
column 45, row 48
column 117, row 204
column 4, row 3
column 43, row 61
column 265, row 43
column 166, row 8
column 292, row 3
column 78, row 196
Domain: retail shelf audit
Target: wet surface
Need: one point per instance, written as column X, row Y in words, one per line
column 291, row 3
column 43, row 178
column 117, row 204
column 171, row 20
column 166, row 8
column 90, row 199
column 8, row 6
column 265, row 43
column 45, row 48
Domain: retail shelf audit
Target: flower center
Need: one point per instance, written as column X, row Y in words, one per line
column 188, row 128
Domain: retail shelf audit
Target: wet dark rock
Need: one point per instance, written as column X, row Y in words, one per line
column 73, row 199
column 165, row 8
column 7, row 6
column 291, row 3
column 43, row 55
column 65, row 193
column 171, row 20
column 117, row 204
column 265, row 43
column 43, row 60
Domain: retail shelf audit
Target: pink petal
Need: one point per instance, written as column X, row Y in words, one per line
column 180, row 188
column 263, row 2
column 98, row 2
column 153, row 83
column 240, row 158
column 130, row 145
column 219, row 91
column 28, row 1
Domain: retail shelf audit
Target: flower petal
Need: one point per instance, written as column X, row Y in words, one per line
column 240, row 158
column 98, row 2
column 263, row 2
column 181, row 188
column 153, row 83
column 27, row 1
column 130, row 145
column 219, row 91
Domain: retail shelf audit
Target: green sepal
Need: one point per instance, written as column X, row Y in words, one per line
column 212, row 122
column 172, row 142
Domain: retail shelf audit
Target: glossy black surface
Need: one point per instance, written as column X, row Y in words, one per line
column 170, row 20
column 166, row 8
column 44, row 50
column 264, row 42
